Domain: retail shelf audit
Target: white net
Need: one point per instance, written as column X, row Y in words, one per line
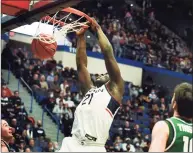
column 60, row 26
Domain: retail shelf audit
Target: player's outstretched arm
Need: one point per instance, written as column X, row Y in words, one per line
column 110, row 61
column 160, row 135
column 81, row 62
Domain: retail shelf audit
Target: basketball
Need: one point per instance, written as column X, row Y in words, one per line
column 44, row 47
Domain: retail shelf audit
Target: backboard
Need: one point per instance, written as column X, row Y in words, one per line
column 34, row 12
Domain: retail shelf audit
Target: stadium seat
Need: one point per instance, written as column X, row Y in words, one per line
column 146, row 131
column 146, row 123
column 137, row 122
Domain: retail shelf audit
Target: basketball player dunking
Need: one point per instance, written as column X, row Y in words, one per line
column 6, row 136
column 95, row 113
column 175, row 134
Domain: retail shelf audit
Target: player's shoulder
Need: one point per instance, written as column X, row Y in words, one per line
column 4, row 148
column 161, row 126
column 161, row 123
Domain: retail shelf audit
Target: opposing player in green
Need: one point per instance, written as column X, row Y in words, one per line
column 175, row 134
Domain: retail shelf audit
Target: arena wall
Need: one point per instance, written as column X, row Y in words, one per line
column 96, row 65
column 131, row 70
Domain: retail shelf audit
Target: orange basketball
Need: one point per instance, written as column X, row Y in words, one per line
column 44, row 47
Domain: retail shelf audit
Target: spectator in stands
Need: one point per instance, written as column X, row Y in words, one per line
column 116, row 44
column 134, row 92
column 56, row 147
column 43, row 83
column 66, row 125
column 21, row 115
column 29, row 131
column 7, row 91
column 138, row 147
column 16, row 100
column 60, row 65
column 153, row 95
column 96, row 48
column 73, row 73
column 24, row 137
column 38, row 67
column 27, row 149
column 66, row 72
column 58, row 110
column 21, row 147
column 50, row 147
column 6, row 136
column 35, row 82
column 12, row 144
column 50, row 77
column 50, row 102
column 28, row 74
column 9, row 111
column 64, row 86
column 32, row 146
column 55, row 85
column 39, row 131
column 69, row 100
column 127, row 131
column 4, row 100
column 61, row 98
column 16, row 126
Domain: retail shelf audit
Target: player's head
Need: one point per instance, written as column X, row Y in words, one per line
column 101, row 79
column 182, row 101
column 6, row 131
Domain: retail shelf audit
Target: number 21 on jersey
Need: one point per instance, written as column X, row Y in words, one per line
column 87, row 99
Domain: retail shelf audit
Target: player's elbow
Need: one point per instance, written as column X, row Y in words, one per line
column 107, row 48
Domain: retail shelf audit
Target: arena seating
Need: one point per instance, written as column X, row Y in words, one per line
column 56, row 87
column 133, row 122
column 27, row 134
column 137, row 35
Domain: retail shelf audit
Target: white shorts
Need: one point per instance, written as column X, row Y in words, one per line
column 71, row 144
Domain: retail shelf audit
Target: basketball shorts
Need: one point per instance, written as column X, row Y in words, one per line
column 71, row 144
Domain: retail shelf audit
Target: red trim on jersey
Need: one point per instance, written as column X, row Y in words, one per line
column 111, row 94
column 109, row 112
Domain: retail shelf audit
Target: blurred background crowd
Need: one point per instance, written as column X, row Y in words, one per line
column 136, row 35
column 56, row 87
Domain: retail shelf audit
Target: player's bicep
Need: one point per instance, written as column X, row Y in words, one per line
column 159, row 137
column 113, row 70
column 84, row 79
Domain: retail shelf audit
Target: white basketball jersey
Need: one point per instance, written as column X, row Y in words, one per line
column 94, row 116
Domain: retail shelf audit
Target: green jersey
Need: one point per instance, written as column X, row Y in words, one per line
column 180, row 135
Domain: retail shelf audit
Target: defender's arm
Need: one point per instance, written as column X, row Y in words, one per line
column 160, row 135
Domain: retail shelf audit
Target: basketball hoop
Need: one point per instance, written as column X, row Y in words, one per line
column 64, row 25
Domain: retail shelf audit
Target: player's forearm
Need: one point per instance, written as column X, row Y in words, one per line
column 110, row 62
column 81, row 57
column 104, row 43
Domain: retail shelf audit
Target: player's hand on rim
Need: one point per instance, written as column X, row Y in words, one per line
column 94, row 25
column 82, row 30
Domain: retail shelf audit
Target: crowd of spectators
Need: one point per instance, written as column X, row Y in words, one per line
column 56, row 87
column 28, row 135
column 136, row 34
